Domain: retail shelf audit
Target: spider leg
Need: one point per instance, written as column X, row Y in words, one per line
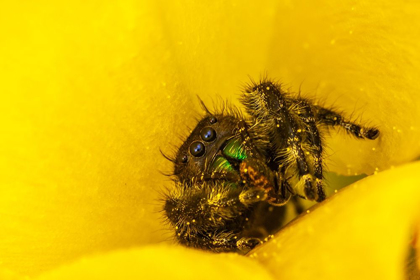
column 266, row 103
column 314, row 149
column 330, row 118
column 224, row 241
column 198, row 211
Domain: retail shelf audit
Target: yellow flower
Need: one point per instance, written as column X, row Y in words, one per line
column 92, row 90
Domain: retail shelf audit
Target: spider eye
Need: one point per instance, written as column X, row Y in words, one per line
column 184, row 158
column 208, row 134
column 213, row 120
column 197, row 149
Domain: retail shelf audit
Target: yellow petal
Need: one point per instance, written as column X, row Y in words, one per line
column 81, row 116
column 161, row 262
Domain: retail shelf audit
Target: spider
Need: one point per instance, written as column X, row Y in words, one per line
column 234, row 174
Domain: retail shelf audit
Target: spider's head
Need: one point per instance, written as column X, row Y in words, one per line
column 204, row 145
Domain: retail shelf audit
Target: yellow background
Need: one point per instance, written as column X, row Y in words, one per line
column 91, row 90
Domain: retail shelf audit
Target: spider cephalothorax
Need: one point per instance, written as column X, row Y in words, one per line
column 234, row 174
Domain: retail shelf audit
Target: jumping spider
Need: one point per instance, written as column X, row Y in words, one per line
column 233, row 174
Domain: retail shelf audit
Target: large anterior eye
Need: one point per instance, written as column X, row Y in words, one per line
column 197, row 149
column 208, row 134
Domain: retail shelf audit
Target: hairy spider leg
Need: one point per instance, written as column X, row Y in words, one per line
column 266, row 103
column 223, row 241
column 220, row 241
column 198, row 211
column 330, row 118
column 305, row 114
